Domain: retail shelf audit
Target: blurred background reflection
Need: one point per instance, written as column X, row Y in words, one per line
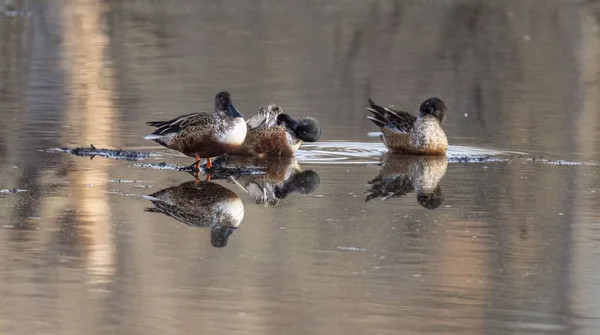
column 510, row 247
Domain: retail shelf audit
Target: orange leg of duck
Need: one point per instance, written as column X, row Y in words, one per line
column 208, row 162
column 197, row 166
column 208, row 166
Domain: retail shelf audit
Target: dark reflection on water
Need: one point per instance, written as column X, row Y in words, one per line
column 201, row 204
column 512, row 247
column 281, row 177
column 401, row 175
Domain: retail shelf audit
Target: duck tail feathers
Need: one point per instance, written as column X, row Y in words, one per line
column 378, row 122
column 153, row 137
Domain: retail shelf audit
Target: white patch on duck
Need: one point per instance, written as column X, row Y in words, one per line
column 233, row 207
column 233, row 135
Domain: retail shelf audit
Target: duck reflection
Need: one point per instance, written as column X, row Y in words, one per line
column 201, row 204
column 282, row 176
column 402, row 174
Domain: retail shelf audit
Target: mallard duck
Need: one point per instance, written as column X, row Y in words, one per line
column 203, row 134
column 273, row 133
column 203, row 204
column 400, row 175
column 408, row 134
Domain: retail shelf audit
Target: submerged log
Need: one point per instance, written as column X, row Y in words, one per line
column 219, row 170
column 92, row 152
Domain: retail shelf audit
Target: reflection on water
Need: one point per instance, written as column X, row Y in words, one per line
column 201, row 204
column 403, row 174
column 344, row 152
column 281, row 177
column 512, row 248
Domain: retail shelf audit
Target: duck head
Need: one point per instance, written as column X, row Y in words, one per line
column 304, row 182
column 432, row 199
column 219, row 236
column 307, row 129
column 223, row 103
column 434, row 107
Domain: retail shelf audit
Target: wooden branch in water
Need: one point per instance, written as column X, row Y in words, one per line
column 218, row 171
column 92, row 152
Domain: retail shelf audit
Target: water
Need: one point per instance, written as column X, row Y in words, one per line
column 499, row 238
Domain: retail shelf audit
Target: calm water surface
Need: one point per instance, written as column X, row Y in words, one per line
column 508, row 245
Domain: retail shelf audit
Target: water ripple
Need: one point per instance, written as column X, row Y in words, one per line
column 343, row 152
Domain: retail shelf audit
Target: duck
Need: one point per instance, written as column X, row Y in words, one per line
column 203, row 205
column 405, row 133
column 403, row 174
column 203, row 134
column 273, row 133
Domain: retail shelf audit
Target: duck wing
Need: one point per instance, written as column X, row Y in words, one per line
column 389, row 187
column 180, row 123
column 265, row 118
column 188, row 217
column 396, row 119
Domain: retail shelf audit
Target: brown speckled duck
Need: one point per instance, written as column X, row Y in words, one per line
column 203, row 134
column 203, row 204
column 404, row 133
column 273, row 133
column 403, row 174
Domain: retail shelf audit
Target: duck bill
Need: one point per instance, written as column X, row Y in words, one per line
column 288, row 121
column 234, row 111
column 220, row 236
